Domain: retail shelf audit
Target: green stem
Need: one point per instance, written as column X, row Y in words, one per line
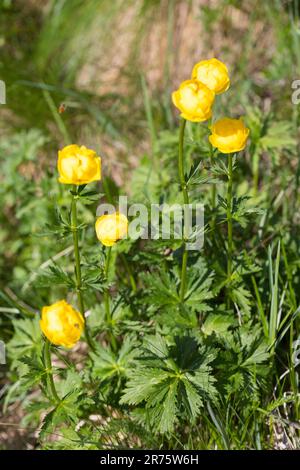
column 186, row 203
column 229, row 220
column 48, row 364
column 181, row 163
column 183, row 273
column 77, row 262
column 213, row 194
column 107, row 299
column 213, row 187
column 107, row 261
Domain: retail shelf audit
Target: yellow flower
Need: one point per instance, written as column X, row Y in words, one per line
column 213, row 73
column 111, row 227
column 62, row 324
column 194, row 100
column 229, row 135
column 78, row 165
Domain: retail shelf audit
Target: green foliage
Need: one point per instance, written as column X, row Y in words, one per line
column 214, row 369
column 171, row 380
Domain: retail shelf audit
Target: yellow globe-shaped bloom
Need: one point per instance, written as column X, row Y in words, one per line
column 194, row 100
column 111, row 227
column 229, row 135
column 62, row 324
column 78, row 165
column 213, row 73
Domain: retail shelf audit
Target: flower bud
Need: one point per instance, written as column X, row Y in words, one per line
column 194, row 100
column 229, row 135
column 213, row 73
column 78, row 165
column 62, row 324
column 111, row 227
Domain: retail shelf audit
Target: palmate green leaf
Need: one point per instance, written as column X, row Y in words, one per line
column 255, row 348
column 222, row 202
column 259, row 355
column 94, row 278
column 196, row 177
column 69, row 439
column 219, row 168
column 108, row 364
column 174, row 321
column 65, row 412
column 34, row 408
column 271, row 135
column 199, row 290
column 54, row 418
column 60, row 227
column 242, row 297
column 203, row 382
column 105, row 364
column 121, row 316
column 280, row 134
column 191, row 398
column 180, row 381
column 50, row 421
column 242, row 210
column 162, row 288
column 244, row 265
column 157, row 346
column 90, row 197
column 71, row 381
column 143, row 385
column 135, row 326
column 54, row 275
column 26, row 341
column 218, row 323
column 166, row 414
column 36, row 372
column 165, row 303
column 245, row 362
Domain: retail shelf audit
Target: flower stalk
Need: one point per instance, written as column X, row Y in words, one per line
column 106, row 292
column 186, row 203
column 213, row 186
column 48, row 364
column 78, row 278
column 107, row 299
column 229, row 219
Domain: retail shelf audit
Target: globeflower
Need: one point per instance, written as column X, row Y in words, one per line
column 111, row 227
column 194, row 100
column 229, row 135
column 213, row 73
column 62, row 324
column 78, row 165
